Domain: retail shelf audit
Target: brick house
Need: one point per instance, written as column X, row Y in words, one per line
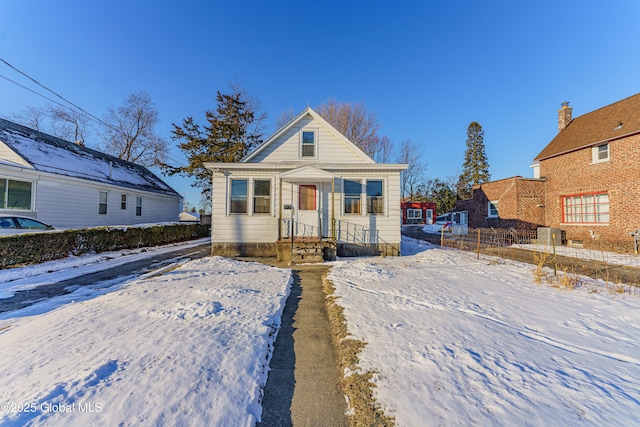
column 514, row 202
column 592, row 175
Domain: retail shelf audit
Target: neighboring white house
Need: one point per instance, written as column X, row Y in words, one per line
column 309, row 181
column 70, row 186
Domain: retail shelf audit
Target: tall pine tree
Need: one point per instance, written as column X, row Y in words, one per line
column 475, row 168
column 227, row 137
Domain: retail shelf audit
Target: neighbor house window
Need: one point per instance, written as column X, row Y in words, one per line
column 238, row 196
column 600, row 153
column 261, row 196
column 375, row 200
column 102, row 205
column 15, row 194
column 493, row 209
column 413, row 214
column 308, row 144
column 138, row 206
column 352, row 191
column 123, row 202
column 586, row 208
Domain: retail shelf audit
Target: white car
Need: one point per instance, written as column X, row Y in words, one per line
column 12, row 224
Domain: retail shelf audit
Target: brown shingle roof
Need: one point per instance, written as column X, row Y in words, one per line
column 597, row 126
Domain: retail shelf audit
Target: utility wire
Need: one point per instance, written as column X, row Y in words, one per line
column 61, row 97
column 56, row 94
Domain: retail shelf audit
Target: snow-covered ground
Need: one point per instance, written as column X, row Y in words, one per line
column 461, row 341
column 189, row 347
column 454, row 341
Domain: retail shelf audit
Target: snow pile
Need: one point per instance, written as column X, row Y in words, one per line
column 188, row 347
column 461, row 341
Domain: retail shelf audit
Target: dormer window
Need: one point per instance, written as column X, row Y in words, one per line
column 308, row 144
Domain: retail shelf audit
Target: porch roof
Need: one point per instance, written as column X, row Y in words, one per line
column 307, row 173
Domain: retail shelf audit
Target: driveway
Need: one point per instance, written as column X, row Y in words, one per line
column 26, row 298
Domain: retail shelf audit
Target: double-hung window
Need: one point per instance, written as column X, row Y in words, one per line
column 261, row 196
column 352, row 190
column 138, row 206
column 15, row 194
column 238, row 202
column 102, row 203
column 308, row 144
column 586, row 208
column 600, row 153
column 123, row 201
column 493, row 209
column 375, row 199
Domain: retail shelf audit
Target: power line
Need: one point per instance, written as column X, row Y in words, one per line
column 55, row 93
column 62, row 98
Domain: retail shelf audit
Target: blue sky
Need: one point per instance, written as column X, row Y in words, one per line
column 425, row 68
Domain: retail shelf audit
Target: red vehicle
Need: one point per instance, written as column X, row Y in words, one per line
column 418, row 213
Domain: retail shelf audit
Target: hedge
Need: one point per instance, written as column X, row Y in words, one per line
column 33, row 248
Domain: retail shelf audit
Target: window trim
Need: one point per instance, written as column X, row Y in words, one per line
column 382, row 197
column 32, row 191
column 413, row 211
column 138, row 206
column 303, row 144
column 344, row 197
column 596, row 214
column 102, row 204
column 253, row 196
column 495, row 205
column 595, row 153
column 246, row 196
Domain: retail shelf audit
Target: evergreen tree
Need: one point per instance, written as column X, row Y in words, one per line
column 475, row 168
column 230, row 134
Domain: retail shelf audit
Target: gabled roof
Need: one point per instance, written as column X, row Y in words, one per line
column 614, row 121
column 318, row 118
column 46, row 153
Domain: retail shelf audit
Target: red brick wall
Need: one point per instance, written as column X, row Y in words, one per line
column 519, row 201
column 574, row 173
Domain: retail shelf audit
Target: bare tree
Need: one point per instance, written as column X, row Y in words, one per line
column 131, row 132
column 411, row 153
column 69, row 124
column 353, row 121
column 32, row 117
column 285, row 117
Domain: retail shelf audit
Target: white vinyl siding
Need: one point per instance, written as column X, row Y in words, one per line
column 286, row 148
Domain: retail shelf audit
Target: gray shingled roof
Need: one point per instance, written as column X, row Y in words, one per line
column 47, row 153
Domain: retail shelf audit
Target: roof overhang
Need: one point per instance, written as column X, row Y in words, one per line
column 330, row 168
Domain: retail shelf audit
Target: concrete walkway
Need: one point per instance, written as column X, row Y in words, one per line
column 302, row 387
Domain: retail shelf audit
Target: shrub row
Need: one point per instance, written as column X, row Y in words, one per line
column 23, row 249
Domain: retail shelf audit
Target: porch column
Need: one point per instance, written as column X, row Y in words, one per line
column 280, row 208
column 333, row 209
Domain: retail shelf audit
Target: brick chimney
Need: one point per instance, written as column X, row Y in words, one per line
column 564, row 116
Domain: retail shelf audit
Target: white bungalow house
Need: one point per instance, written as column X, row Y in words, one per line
column 71, row 186
column 310, row 182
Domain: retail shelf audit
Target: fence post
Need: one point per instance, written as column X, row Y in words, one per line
column 555, row 260
column 478, row 243
column 442, row 236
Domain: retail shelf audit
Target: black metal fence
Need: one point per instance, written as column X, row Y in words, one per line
column 482, row 238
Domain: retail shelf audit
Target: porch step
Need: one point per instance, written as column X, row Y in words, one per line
column 307, row 252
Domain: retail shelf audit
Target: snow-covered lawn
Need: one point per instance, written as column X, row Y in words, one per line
column 188, row 347
column 454, row 341
column 461, row 341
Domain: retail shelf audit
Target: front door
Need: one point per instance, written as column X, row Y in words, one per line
column 308, row 218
